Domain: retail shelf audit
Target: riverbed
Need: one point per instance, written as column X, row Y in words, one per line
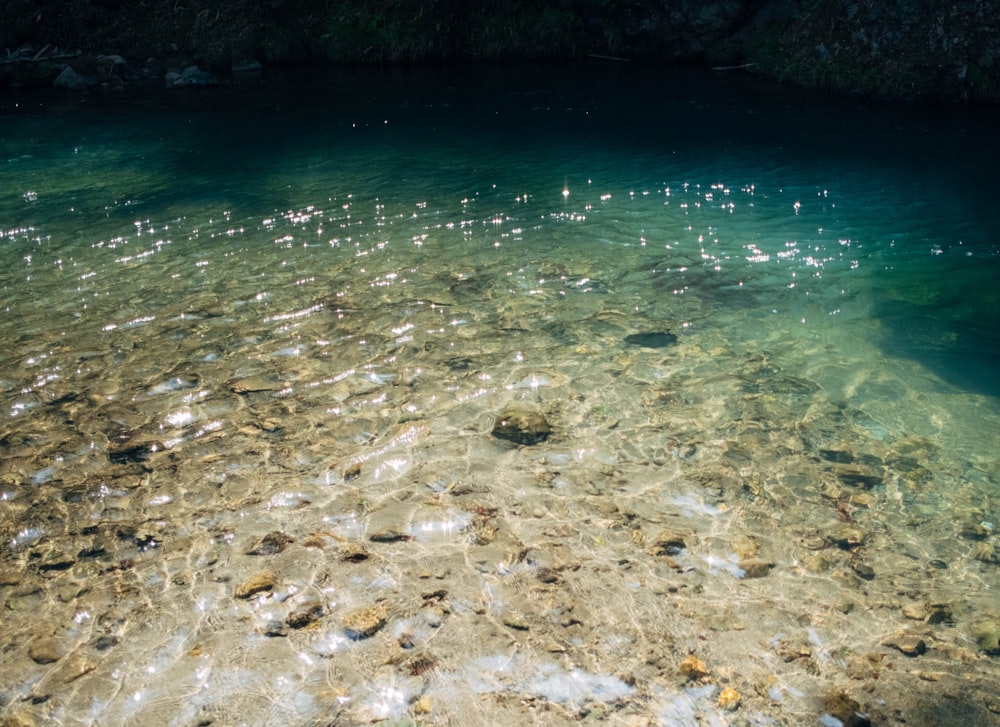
column 261, row 342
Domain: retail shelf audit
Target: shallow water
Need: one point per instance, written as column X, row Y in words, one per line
column 298, row 309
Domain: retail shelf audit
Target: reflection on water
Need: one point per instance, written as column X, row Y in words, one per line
column 254, row 362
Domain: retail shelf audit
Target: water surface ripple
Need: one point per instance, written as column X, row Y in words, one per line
column 258, row 342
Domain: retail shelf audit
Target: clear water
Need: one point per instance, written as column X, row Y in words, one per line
column 300, row 307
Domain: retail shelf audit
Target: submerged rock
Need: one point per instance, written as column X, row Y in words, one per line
column 271, row 544
column 364, row 622
column 909, row 644
column 846, row 710
column 522, row 425
column 263, row 581
column 46, row 651
column 986, row 632
column 693, row 668
column 655, row 339
column 305, row 615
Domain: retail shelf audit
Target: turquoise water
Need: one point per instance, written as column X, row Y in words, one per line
column 300, row 307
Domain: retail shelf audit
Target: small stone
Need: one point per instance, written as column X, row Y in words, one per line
column 846, row 710
column 422, row 705
column 908, row 644
column 46, row 651
column 986, row 553
column 653, row 339
column 667, row 543
column 21, row 718
column 271, row 544
column 915, row 611
column 516, row 621
column 939, row 613
column 263, row 581
column 729, row 699
column 858, row 475
column 693, row 668
column 846, row 537
column 986, row 632
column 745, row 547
column 365, row 622
column 974, row 531
column 862, row 570
column 389, row 535
column 755, row 568
column 353, row 553
column 275, row 628
column 305, row 615
column 522, row 425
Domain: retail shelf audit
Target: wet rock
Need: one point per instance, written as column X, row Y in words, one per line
column 71, row 80
column 859, row 475
column 974, row 531
column 516, row 621
column 986, row 553
column 46, row 651
column 522, row 425
column 909, row 644
column 104, row 642
column 986, row 632
column 842, row 707
column 271, row 544
column 389, row 535
column 653, row 339
column 20, row 718
column 693, row 668
column 846, row 537
column 365, row 622
column 755, row 567
column 862, row 569
column 190, row 76
column 55, row 559
column 305, row 615
column 938, row 613
column 275, row 628
column 667, row 543
column 729, row 699
column 353, row 553
column 132, row 452
column 263, row 581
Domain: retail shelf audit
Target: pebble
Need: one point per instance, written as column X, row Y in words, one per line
column 263, row 581
column 306, row 614
column 271, row 544
column 46, row 651
column 755, row 568
column 365, row 622
column 845, row 709
column 986, row 632
column 654, row 339
column 693, row 668
column 522, row 425
column 908, row 644
column 729, row 699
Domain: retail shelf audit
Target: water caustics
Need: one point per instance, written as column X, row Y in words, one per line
column 252, row 368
